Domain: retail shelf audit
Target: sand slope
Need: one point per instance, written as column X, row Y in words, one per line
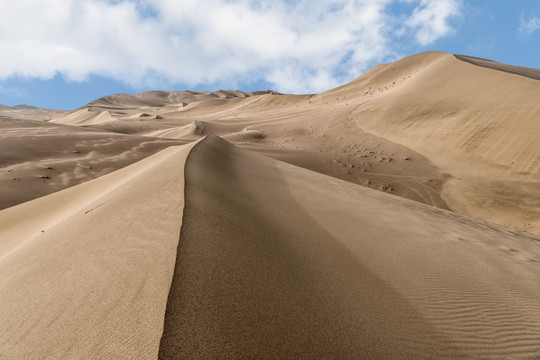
column 255, row 258
column 275, row 261
column 456, row 132
column 38, row 158
column 85, row 272
column 28, row 112
column 477, row 123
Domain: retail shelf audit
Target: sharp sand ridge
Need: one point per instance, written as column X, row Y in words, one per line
column 85, row 272
column 452, row 131
column 252, row 257
column 247, row 225
column 275, row 261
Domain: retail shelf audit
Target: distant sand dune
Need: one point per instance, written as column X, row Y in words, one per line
column 218, row 225
column 38, row 158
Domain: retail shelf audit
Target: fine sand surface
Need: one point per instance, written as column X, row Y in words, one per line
column 250, row 257
column 517, row 70
column 28, row 112
column 85, row 272
column 459, row 133
column 393, row 217
column 38, row 158
column 278, row 262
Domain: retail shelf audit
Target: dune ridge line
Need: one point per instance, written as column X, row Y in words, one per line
column 94, row 284
column 275, row 261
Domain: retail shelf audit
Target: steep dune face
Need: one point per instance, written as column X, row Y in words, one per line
column 517, row 70
column 252, row 257
column 458, row 134
column 450, row 106
column 479, row 124
column 275, row 261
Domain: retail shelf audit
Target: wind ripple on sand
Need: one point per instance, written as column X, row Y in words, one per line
column 272, row 261
column 94, row 283
column 275, row 261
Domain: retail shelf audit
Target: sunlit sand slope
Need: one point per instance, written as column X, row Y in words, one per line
column 85, row 272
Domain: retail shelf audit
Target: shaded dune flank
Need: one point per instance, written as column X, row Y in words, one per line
column 275, row 261
column 268, row 259
column 516, row 70
column 209, row 251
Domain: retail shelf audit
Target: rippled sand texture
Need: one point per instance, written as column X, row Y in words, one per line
column 234, row 225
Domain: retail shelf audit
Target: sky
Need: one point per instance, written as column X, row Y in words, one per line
column 62, row 54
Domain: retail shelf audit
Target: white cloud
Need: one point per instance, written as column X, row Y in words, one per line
column 297, row 46
column 430, row 20
column 528, row 27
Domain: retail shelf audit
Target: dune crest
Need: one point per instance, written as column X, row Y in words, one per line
column 275, row 261
column 210, row 251
column 85, row 272
column 453, row 131
column 246, row 225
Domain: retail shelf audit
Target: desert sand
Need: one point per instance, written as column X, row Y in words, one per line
column 393, row 217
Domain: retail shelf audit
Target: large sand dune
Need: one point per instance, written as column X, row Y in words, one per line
column 85, row 272
column 455, row 132
column 247, row 225
column 268, row 260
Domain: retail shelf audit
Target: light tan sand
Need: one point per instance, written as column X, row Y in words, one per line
column 275, row 261
column 478, row 124
column 469, row 133
column 28, row 112
column 85, row 272
column 39, row 158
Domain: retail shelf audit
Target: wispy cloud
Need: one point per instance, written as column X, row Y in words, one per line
column 297, row 46
column 527, row 27
column 430, row 20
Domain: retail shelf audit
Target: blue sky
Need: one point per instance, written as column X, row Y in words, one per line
column 65, row 53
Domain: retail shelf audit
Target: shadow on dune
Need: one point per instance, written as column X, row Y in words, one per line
column 511, row 69
column 257, row 277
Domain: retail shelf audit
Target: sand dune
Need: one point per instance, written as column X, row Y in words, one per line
column 28, row 112
column 164, row 98
column 234, row 225
column 468, row 128
column 84, row 117
column 268, row 260
column 85, row 272
column 478, row 124
column 517, row 70
column 38, row 158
